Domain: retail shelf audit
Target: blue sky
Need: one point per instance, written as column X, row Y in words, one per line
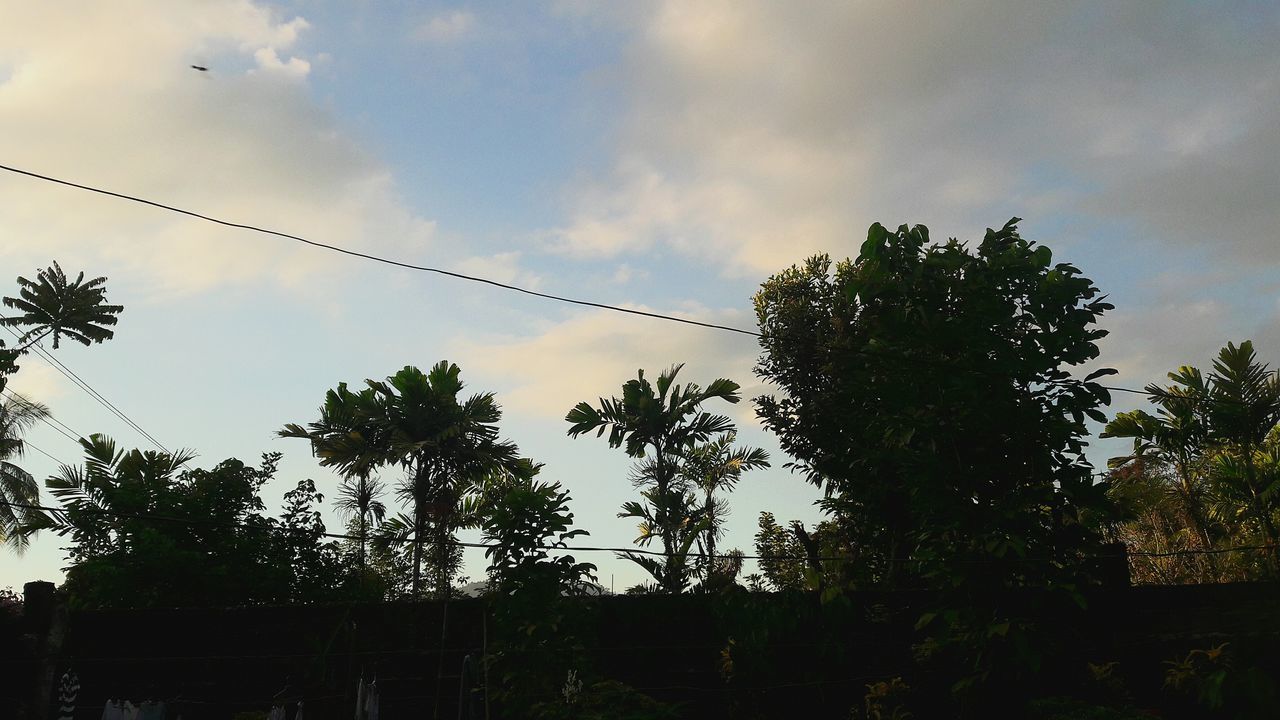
column 665, row 155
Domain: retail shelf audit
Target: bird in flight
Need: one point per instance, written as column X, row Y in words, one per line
column 201, row 68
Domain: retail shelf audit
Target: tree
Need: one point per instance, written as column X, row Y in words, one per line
column 145, row 530
column 1217, row 434
column 1174, row 438
column 17, row 486
column 927, row 390
column 537, row 626
column 51, row 306
column 714, row 469
column 359, row 499
column 414, row 420
column 792, row 558
column 659, row 424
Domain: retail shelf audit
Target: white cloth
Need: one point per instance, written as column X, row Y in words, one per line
column 112, row 711
column 371, row 701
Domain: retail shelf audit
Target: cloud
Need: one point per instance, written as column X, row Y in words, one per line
column 594, row 353
column 446, row 28
column 269, row 61
column 500, row 267
column 754, row 135
column 245, row 142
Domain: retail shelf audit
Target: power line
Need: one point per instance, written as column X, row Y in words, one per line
column 581, row 548
column 99, row 397
column 28, row 443
column 547, row 296
column 49, row 420
column 375, row 258
column 87, row 388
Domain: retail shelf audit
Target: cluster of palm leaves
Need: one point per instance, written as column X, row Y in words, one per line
column 446, row 446
column 18, row 489
column 685, row 463
column 48, row 307
column 1204, row 473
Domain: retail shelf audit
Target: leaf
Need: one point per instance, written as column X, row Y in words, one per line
column 1042, row 257
column 925, row 620
column 1101, row 372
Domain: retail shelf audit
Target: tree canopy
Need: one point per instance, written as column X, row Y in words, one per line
column 927, row 389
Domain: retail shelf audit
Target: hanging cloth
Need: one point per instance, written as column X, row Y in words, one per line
column 371, row 701
column 360, row 699
column 297, row 715
column 112, row 711
column 68, row 689
column 277, row 713
column 151, row 711
column 130, row 711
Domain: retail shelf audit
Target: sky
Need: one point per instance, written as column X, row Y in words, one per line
column 666, row 156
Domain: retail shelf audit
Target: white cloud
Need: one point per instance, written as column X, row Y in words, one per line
column 500, row 267
column 446, row 28
column 594, row 353
column 118, row 107
column 37, row 380
column 269, row 61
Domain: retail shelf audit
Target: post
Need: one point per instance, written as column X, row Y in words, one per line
column 44, row 621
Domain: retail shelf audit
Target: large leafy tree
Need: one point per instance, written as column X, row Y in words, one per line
column 17, row 486
column 419, row 422
column 927, row 389
column 659, row 424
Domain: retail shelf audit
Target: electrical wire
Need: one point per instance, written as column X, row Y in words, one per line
column 191, row 522
column 28, row 443
column 547, row 296
column 375, row 258
column 84, row 385
column 49, row 420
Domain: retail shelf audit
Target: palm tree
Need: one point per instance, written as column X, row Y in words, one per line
column 358, row 499
column 17, row 486
column 659, row 423
column 414, row 420
column 50, row 305
column 1245, row 412
column 1214, row 433
column 715, row 468
column 101, row 499
column 1177, row 437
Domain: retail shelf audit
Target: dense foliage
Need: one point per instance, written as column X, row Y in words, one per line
column 416, row 421
column 1204, row 473
column 927, row 391
column 144, row 529
column 680, row 450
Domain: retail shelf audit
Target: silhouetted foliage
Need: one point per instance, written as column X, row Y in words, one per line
column 17, row 486
column 48, row 306
column 661, row 424
column 1204, row 472
column 144, row 530
column 927, row 390
column 416, row 421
